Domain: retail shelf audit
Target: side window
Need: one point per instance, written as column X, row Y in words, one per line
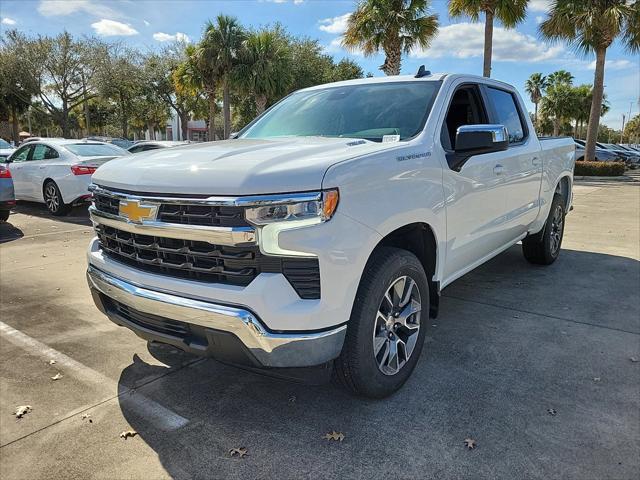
column 39, row 152
column 508, row 113
column 135, row 149
column 21, row 154
column 51, row 153
column 465, row 108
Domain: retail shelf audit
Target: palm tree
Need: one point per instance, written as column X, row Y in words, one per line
column 393, row 26
column 535, row 86
column 509, row 12
column 558, row 103
column 195, row 74
column 591, row 27
column 264, row 67
column 560, row 76
column 219, row 51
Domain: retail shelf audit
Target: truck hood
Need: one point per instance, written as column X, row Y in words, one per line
column 234, row 167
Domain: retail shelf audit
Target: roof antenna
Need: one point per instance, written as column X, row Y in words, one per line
column 422, row 72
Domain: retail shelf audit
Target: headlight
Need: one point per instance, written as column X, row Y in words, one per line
column 318, row 209
column 286, row 214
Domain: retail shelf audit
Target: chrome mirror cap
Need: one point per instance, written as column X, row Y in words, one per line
column 498, row 132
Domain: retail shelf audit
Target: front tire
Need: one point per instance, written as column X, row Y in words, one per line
column 53, row 200
column 4, row 215
column 543, row 248
column 388, row 321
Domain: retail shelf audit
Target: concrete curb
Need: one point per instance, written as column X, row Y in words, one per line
column 619, row 178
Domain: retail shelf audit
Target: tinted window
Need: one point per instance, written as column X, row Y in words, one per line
column 95, row 149
column 21, row 154
column 367, row 111
column 43, row 152
column 508, row 115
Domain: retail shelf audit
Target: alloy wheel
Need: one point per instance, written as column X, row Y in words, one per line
column 51, row 198
column 557, row 225
column 397, row 325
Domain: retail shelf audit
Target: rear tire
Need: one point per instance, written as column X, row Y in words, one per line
column 4, row 215
column 53, row 200
column 388, row 321
column 543, row 248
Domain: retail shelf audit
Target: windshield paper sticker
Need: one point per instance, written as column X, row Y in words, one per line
column 390, row 138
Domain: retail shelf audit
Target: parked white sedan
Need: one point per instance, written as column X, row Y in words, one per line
column 57, row 172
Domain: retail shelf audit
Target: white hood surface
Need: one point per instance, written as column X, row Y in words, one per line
column 234, row 167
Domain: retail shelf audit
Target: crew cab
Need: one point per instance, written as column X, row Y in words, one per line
column 324, row 233
column 57, row 172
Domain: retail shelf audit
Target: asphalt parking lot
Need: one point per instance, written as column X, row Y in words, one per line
column 534, row 363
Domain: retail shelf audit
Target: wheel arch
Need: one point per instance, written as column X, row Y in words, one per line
column 420, row 239
column 44, row 184
column 563, row 187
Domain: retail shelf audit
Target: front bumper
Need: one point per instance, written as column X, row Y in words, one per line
column 205, row 328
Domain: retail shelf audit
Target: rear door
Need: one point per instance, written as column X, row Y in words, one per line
column 38, row 168
column 522, row 163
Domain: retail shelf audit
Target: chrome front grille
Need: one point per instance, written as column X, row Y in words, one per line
column 202, row 261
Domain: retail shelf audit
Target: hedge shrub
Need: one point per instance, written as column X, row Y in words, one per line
column 599, row 169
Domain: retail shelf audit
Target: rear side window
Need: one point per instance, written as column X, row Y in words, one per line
column 95, row 149
column 43, row 152
column 508, row 114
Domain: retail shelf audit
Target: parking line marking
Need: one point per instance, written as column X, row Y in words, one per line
column 160, row 416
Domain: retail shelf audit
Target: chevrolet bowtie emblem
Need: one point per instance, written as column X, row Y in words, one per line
column 135, row 212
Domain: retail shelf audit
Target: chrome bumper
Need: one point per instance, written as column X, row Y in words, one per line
column 269, row 349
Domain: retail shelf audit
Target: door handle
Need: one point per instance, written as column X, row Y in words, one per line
column 498, row 169
column 536, row 161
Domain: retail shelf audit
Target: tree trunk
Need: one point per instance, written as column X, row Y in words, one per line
column 184, row 124
column 64, row 120
column 392, row 61
column 212, row 117
column 556, row 127
column 535, row 115
column 575, row 129
column 261, row 103
column 15, row 126
column 596, row 106
column 226, row 108
column 87, row 120
column 488, row 43
column 123, row 119
column 150, row 129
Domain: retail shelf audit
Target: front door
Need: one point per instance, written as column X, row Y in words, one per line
column 475, row 197
column 19, row 173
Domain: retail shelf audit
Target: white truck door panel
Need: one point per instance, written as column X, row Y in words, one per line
column 476, row 211
column 19, row 172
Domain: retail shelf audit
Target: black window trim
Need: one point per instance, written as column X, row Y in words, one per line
column 494, row 113
column 29, row 149
column 483, row 106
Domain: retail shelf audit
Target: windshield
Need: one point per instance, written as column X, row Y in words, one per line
column 95, row 150
column 368, row 111
column 4, row 144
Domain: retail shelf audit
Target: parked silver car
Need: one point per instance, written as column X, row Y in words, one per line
column 7, row 195
column 602, row 155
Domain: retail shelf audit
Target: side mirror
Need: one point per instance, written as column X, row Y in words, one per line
column 233, row 135
column 477, row 139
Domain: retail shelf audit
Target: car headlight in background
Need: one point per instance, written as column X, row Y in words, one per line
column 290, row 213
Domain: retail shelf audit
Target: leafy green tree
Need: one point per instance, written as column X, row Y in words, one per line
column 508, row 12
column 632, row 130
column 535, row 86
column 393, row 26
column 264, row 67
column 558, row 104
column 17, row 84
column 346, row 69
column 560, row 76
column 218, row 53
column 591, row 27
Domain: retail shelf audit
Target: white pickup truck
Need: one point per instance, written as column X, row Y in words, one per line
column 324, row 232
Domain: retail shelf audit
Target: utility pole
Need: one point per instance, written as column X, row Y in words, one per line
column 622, row 133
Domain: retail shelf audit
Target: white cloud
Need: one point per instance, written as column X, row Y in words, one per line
column 8, row 21
column 57, row 8
column 335, row 25
column 111, row 28
column 166, row 37
column 466, row 40
column 612, row 65
column 540, row 5
column 146, row 24
column 539, row 19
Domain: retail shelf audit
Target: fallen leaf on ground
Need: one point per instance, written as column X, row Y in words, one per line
column 470, row 443
column 57, row 376
column 22, row 410
column 596, row 379
column 85, row 416
column 633, row 359
column 240, row 452
column 335, row 436
column 128, row 433
column 52, row 362
column 551, row 411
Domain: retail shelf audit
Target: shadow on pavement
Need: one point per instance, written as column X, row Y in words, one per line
column 502, row 353
column 78, row 215
column 8, row 232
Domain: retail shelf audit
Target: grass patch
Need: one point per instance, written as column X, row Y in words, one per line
column 599, row 169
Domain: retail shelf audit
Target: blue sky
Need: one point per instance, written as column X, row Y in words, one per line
column 150, row 24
